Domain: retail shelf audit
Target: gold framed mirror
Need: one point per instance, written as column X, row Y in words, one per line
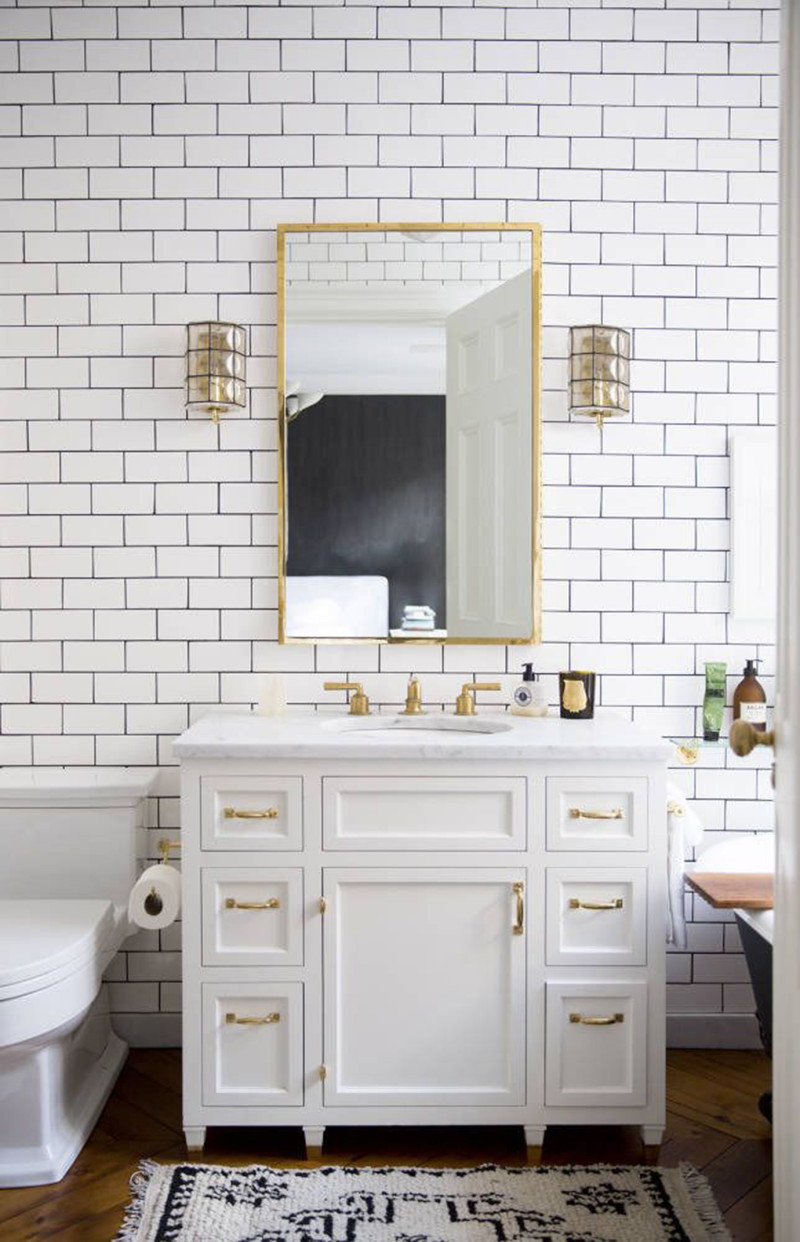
column 409, row 407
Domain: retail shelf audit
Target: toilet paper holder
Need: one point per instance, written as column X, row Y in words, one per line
column 152, row 903
column 164, row 847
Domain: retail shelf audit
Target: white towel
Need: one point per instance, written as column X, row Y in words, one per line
column 684, row 830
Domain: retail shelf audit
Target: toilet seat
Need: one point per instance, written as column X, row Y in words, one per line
column 42, row 941
column 52, row 957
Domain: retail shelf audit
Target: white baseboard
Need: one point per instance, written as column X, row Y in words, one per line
column 149, row 1030
column 713, row 1030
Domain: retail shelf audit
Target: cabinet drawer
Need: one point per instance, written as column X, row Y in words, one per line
column 423, row 812
column 596, row 813
column 596, row 916
column 596, row 1044
column 252, row 812
column 253, row 1044
column 252, row 916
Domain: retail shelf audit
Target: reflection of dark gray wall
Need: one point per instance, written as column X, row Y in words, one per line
column 366, row 488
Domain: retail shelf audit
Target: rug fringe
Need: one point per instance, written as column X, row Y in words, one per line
column 704, row 1203
column 139, row 1183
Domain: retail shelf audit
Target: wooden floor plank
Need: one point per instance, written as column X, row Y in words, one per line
column 734, row 1174
column 750, row 1220
column 713, row 1121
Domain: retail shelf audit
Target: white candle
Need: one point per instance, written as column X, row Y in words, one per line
column 271, row 694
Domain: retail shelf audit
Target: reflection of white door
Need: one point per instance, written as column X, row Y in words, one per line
column 424, row 986
column 490, row 464
column 786, row 965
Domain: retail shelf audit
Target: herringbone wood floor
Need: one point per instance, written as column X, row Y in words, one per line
column 713, row 1122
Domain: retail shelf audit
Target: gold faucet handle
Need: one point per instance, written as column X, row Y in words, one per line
column 413, row 705
column 465, row 703
column 359, row 703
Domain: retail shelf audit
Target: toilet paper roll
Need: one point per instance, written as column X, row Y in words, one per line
column 155, row 899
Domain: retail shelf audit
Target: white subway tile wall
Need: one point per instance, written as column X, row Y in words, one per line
column 148, row 152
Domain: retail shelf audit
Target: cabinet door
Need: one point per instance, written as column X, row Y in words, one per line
column 424, row 986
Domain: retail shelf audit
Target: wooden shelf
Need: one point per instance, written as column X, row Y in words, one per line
column 734, row 890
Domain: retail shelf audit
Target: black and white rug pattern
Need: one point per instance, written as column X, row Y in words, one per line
column 597, row 1203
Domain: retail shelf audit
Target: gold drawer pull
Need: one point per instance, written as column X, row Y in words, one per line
column 575, row 812
column 232, row 904
column 519, row 925
column 615, row 903
column 232, row 1019
column 232, row 812
column 611, row 1020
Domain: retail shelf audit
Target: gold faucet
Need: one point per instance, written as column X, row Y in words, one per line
column 359, row 703
column 465, row 703
column 413, row 705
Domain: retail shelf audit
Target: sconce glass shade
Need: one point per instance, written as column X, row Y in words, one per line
column 216, row 368
column 599, row 372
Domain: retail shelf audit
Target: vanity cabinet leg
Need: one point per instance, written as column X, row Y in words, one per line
column 313, row 1137
column 195, row 1138
column 652, row 1137
column 534, row 1140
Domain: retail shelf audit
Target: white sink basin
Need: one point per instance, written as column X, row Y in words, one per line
column 417, row 724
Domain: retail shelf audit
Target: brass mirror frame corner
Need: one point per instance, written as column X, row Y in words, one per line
column 535, row 230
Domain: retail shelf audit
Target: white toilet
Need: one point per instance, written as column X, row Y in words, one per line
column 69, row 845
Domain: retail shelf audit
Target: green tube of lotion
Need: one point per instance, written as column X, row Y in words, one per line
column 714, row 701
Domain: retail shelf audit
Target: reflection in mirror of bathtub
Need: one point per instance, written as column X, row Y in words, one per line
column 337, row 606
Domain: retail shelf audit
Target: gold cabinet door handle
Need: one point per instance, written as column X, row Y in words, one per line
column 268, row 1019
column 611, row 1020
column 272, row 904
column 232, row 812
column 615, row 903
column 576, row 812
column 519, row 923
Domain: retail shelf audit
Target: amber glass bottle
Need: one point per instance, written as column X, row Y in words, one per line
column 749, row 699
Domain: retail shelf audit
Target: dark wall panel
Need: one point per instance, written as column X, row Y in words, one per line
column 366, row 494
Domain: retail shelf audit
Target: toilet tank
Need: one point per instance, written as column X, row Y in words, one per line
column 72, row 832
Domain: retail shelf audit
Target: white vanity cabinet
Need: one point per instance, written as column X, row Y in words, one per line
column 408, row 927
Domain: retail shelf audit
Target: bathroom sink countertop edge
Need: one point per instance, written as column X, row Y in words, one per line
column 246, row 735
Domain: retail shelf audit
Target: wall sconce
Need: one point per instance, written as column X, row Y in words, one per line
column 216, row 368
column 599, row 372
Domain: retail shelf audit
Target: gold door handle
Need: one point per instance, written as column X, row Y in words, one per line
column 575, row 903
column 611, row 1020
column 576, row 812
column 232, row 904
column 744, row 738
column 519, row 924
column 232, row 1019
column 232, row 812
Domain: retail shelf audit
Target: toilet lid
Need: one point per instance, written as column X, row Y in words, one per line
column 39, row 936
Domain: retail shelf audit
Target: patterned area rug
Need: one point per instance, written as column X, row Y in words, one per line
column 596, row 1203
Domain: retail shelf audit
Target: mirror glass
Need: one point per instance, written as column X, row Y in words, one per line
column 409, row 383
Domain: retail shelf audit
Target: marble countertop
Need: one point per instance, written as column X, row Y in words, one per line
column 229, row 735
